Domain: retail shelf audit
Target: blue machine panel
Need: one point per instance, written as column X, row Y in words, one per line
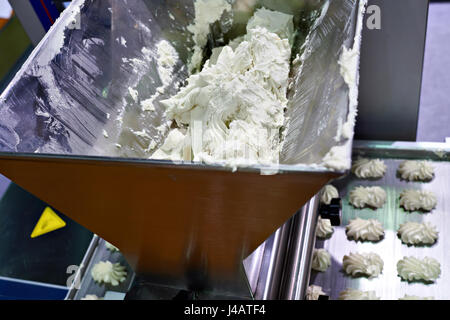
column 14, row 289
column 46, row 12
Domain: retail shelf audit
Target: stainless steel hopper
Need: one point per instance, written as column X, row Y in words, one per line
column 184, row 224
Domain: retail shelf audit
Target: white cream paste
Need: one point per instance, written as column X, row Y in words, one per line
column 314, row 292
column 173, row 147
column 147, row 104
column 324, row 228
column 107, row 272
column 142, row 134
column 353, row 294
column 234, row 109
column 134, row 94
column 167, row 55
column 321, row 260
column 416, row 170
column 338, row 158
column 122, row 41
column 367, row 196
column 369, row 168
column 206, row 13
column 363, row 264
column 361, row 229
column 413, row 269
column 418, row 233
column 167, row 59
column 413, row 200
column 111, row 247
column 281, row 25
column 329, row 192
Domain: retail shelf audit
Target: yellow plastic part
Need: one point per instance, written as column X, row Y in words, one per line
column 48, row 222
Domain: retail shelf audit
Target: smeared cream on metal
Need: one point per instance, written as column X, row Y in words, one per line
column 338, row 157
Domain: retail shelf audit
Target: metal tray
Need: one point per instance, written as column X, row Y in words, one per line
column 84, row 284
column 389, row 285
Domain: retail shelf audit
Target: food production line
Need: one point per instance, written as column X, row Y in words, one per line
column 192, row 230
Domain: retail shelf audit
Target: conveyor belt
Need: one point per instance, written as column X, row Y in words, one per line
column 389, row 285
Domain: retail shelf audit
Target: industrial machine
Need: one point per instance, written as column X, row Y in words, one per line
column 190, row 227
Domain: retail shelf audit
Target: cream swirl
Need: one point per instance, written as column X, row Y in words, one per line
column 329, row 192
column 314, row 292
column 321, row 260
column 324, row 228
column 418, row 233
column 363, row 264
column 407, row 297
column 413, row 200
column 369, row 168
column 416, row 170
column 360, row 229
column 91, row 297
column 367, row 196
column 413, row 269
column 353, row 294
column 107, row 272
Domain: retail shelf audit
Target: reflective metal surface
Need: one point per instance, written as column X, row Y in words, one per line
column 315, row 109
column 180, row 224
column 272, row 266
column 389, row 285
column 252, row 264
column 172, row 233
column 301, row 244
column 274, row 270
column 76, row 83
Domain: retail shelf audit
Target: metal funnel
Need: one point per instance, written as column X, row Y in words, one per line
column 186, row 224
